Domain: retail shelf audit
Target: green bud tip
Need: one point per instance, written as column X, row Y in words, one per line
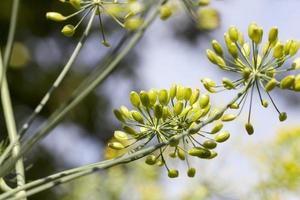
column 191, row 172
column 249, row 128
column 282, row 116
column 173, row 173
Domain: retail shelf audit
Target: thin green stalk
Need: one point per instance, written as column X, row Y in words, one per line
column 60, row 77
column 10, row 39
column 56, row 117
column 68, row 175
column 11, row 129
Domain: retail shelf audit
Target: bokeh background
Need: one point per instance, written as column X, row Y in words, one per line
column 265, row 165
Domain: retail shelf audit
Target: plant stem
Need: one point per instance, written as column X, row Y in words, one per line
column 11, row 129
column 60, row 77
column 68, row 175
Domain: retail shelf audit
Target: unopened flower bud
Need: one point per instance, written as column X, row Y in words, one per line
column 163, row 97
column 273, row 35
column 278, row 51
column 199, row 152
column 228, row 117
column 249, row 128
column 119, row 115
column 152, row 97
column 294, row 48
column 137, row 116
column 296, row 63
column 133, row 24
column 233, row 33
column 165, row 11
column 210, row 144
column 203, row 100
column 130, row 130
column 178, row 107
column 191, row 172
column 228, row 84
column 180, row 154
column 271, row 85
column 194, row 97
column 68, row 30
column 216, row 128
column 217, row 47
column 173, row 90
column 144, row 98
column 282, row 116
column 265, row 103
column 173, row 173
column 75, row 3
column 297, row 83
column 116, row 145
column 150, row 160
column 209, row 84
column 287, row 82
column 55, row 16
column 135, row 99
column 222, row 137
column 158, row 111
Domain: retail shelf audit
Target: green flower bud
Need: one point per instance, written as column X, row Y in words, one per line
column 181, row 154
column 228, row 84
column 251, row 29
column 213, row 154
column 137, row 116
column 158, row 111
column 150, row 160
column 297, row 83
column 119, row 115
column 133, row 24
column 271, row 85
column 173, row 142
column 249, row 128
column 166, row 112
column 195, row 96
column 294, row 48
column 187, row 93
column 203, row 2
column 145, row 99
column 130, row 130
column 209, row 84
column 152, row 97
column 172, row 155
column 234, row 106
column 228, row 117
column 216, row 128
column 273, row 35
column 282, row 116
column 165, row 11
column 203, row 100
column 246, row 50
column 191, row 172
column 296, row 64
column 287, row 46
column 68, row 30
column 241, row 38
column 278, row 51
column 135, row 99
column 180, row 93
column 120, row 136
column 287, row 82
column 116, row 145
column 265, row 103
column 205, row 110
column 178, row 107
column 55, row 16
column 173, row 173
column 125, row 112
column 217, row 47
column 233, row 50
column 75, row 3
column 233, row 33
column 199, row 152
column 255, row 33
column 163, row 97
column 211, row 56
column 106, row 43
column 222, row 137
column 246, row 73
column 197, row 115
column 220, row 62
column 173, row 91
column 271, row 72
column 210, row 144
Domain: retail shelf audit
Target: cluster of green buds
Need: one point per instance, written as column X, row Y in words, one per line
column 166, row 116
column 123, row 13
column 258, row 65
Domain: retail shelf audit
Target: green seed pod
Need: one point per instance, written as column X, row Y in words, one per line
column 145, row 98
column 178, row 107
column 195, row 96
column 273, row 35
column 278, row 51
column 282, row 116
column 158, row 111
column 68, row 30
column 191, row 172
column 210, row 144
column 55, row 16
column 135, row 99
column 129, row 130
column 217, row 47
column 163, row 97
column 150, row 160
column 116, row 145
column 133, row 24
column 234, row 106
column 180, row 93
column 287, row 82
column 222, row 137
column 166, row 113
column 203, row 2
column 181, row 154
column 265, row 103
column 233, row 33
column 119, row 115
column 203, row 100
column 233, row 50
column 173, row 173
column 209, row 84
column 137, row 116
column 199, row 152
column 75, row 3
column 296, row 64
column 212, row 57
column 249, row 128
column 187, row 93
column 294, row 48
column 165, row 12
column 152, row 97
column 173, row 91
column 228, row 84
column 216, row 128
column 228, row 117
column 297, row 83
column 120, row 136
column 213, row 154
column 271, row 85
column 125, row 112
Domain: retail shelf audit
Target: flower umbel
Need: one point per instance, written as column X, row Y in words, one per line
column 258, row 65
column 161, row 115
column 123, row 13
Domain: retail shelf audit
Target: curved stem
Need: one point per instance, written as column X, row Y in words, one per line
column 60, row 77
column 68, row 175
